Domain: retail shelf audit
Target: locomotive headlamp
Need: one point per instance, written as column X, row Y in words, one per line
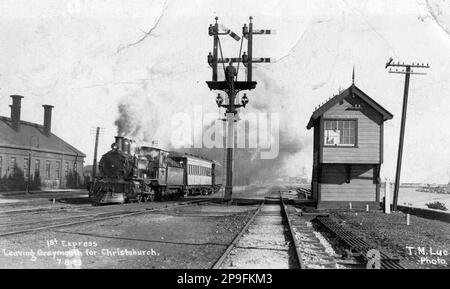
column 114, row 147
column 244, row 100
column 219, row 100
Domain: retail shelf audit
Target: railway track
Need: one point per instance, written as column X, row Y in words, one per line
column 292, row 231
column 14, row 228
column 360, row 247
column 267, row 238
column 36, row 215
column 312, row 253
column 33, row 210
column 236, row 239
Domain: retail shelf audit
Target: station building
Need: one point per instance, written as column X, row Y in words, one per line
column 32, row 150
column 348, row 150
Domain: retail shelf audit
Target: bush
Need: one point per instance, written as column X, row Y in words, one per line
column 14, row 182
column 437, row 206
column 35, row 183
column 73, row 180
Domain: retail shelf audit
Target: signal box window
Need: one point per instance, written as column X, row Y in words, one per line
column 340, row 133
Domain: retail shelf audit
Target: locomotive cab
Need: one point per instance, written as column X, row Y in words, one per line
column 152, row 164
column 163, row 173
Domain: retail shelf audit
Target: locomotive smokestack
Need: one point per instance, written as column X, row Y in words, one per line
column 126, row 146
column 15, row 111
column 119, row 142
column 47, row 119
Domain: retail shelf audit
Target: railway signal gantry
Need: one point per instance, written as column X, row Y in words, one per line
column 231, row 85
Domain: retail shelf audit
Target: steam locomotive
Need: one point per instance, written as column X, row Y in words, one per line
column 150, row 174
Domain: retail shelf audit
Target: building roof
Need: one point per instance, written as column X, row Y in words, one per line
column 353, row 89
column 31, row 135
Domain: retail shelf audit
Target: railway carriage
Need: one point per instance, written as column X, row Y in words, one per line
column 199, row 177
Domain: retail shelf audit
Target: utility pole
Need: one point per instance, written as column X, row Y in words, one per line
column 97, row 131
column 406, row 69
column 94, row 168
column 231, row 86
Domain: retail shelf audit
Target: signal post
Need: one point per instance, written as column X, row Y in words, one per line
column 231, row 85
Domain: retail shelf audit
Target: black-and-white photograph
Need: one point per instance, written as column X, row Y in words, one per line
column 275, row 134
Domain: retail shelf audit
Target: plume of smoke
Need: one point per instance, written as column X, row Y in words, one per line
column 145, row 110
column 138, row 118
column 249, row 168
column 144, row 116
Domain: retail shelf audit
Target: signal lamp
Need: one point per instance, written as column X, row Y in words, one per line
column 244, row 100
column 244, row 29
column 210, row 58
column 244, row 57
column 219, row 100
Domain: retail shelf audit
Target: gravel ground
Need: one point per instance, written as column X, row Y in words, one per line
column 264, row 245
column 57, row 213
column 391, row 233
column 177, row 238
column 43, row 200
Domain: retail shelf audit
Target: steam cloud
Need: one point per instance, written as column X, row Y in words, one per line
column 138, row 118
column 145, row 120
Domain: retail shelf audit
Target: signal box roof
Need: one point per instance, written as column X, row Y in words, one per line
column 352, row 90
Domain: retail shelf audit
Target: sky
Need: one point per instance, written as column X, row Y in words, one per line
column 91, row 58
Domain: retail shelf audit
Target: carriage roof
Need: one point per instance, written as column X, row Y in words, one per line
column 174, row 154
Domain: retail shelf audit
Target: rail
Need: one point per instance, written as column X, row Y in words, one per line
column 96, row 217
column 357, row 244
column 291, row 229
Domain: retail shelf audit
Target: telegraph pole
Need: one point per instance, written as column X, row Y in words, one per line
column 97, row 131
column 406, row 69
column 94, row 169
column 231, row 86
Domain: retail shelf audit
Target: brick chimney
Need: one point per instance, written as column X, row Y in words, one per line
column 15, row 111
column 47, row 119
